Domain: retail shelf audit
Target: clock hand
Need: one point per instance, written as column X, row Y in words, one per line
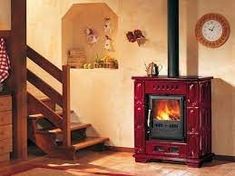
column 209, row 28
column 212, row 28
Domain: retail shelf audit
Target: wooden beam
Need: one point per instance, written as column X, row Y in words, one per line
column 66, row 106
column 44, row 63
column 18, row 78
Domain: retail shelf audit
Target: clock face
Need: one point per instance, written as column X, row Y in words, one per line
column 212, row 30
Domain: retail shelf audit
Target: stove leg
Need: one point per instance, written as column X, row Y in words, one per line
column 141, row 160
column 194, row 165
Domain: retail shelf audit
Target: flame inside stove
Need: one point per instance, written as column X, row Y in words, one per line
column 167, row 110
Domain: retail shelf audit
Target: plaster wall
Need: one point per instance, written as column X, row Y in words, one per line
column 105, row 97
column 5, row 15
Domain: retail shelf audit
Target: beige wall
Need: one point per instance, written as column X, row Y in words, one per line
column 5, row 14
column 105, row 97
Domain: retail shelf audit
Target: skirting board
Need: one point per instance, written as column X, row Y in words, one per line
column 120, row 149
column 131, row 150
column 225, row 158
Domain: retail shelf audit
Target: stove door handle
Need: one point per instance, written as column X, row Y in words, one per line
column 149, row 116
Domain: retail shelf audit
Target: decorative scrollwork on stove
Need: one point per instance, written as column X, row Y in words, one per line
column 139, row 118
column 165, row 87
column 192, row 99
column 140, row 138
column 204, row 96
column 139, row 92
column 193, row 121
column 139, row 87
column 138, row 150
column 139, row 109
column 193, row 143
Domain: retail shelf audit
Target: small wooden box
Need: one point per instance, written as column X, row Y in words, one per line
column 5, row 146
column 5, row 117
column 5, row 127
column 4, row 157
column 5, row 103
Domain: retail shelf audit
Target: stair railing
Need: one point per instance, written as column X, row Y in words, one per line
column 63, row 76
column 66, row 106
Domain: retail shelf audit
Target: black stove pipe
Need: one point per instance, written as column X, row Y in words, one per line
column 173, row 38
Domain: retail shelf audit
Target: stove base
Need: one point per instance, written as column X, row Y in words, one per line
column 195, row 163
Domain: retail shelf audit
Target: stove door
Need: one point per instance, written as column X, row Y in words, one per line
column 166, row 117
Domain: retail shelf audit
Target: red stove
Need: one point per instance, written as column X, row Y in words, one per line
column 173, row 119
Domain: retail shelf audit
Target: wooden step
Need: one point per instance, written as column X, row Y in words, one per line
column 36, row 116
column 70, row 153
column 44, row 141
column 74, row 126
column 45, row 100
column 40, row 116
column 88, row 142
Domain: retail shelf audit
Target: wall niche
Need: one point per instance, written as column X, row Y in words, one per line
column 89, row 33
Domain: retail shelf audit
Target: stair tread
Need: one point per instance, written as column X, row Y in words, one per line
column 39, row 115
column 73, row 126
column 88, row 142
column 36, row 116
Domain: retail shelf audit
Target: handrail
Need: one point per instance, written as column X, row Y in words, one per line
column 44, row 64
column 63, row 76
column 45, row 110
column 45, row 88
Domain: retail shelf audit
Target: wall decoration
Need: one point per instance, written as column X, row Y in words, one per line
column 105, row 61
column 139, row 37
column 108, row 43
column 91, row 36
column 76, row 57
column 107, row 26
column 212, row 30
column 130, row 36
column 136, row 36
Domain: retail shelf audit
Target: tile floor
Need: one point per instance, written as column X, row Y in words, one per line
column 123, row 163
column 102, row 163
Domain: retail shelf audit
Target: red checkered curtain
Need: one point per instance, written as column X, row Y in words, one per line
column 4, row 61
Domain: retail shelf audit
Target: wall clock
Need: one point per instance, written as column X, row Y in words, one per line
column 212, row 30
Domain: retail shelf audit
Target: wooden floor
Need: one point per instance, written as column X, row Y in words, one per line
column 101, row 163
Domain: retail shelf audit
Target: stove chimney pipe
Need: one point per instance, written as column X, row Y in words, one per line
column 173, row 38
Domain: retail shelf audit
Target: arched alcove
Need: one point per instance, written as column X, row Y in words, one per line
column 88, row 36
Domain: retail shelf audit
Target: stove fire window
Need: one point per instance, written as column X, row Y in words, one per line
column 166, row 117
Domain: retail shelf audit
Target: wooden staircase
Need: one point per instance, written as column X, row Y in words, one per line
column 51, row 130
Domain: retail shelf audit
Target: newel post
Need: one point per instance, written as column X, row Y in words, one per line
column 66, row 106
